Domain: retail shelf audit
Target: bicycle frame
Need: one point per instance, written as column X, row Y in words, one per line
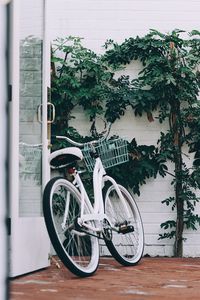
column 96, row 213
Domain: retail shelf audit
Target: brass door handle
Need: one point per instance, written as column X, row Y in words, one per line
column 51, row 112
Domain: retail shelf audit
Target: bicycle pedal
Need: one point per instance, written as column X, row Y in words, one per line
column 125, row 228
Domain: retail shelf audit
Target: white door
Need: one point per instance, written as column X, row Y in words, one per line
column 29, row 171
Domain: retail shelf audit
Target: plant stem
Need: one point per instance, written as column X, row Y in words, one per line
column 177, row 133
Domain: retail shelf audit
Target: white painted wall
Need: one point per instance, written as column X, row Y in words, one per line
column 3, row 99
column 98, row 20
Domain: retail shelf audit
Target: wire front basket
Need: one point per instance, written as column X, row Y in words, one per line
column 112, row 153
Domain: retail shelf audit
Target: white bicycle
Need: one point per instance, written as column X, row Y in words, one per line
column 75, row 224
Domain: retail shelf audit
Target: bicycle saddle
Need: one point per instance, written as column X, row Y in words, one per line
column 63, row 157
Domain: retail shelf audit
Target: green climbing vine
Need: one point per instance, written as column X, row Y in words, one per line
column 167, row 84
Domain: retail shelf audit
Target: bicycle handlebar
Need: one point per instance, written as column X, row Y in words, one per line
column 61, row 137
column 81, row 145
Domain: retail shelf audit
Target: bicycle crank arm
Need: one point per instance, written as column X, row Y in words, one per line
column 92, row 234
column 88, row 220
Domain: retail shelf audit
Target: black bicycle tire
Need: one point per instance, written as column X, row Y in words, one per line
column 52, row 232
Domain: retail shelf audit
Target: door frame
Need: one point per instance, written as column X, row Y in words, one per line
column 3, row 154
column 46, row 84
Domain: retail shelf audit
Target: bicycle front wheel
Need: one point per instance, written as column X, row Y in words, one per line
column 79, row 251
column 127, row 242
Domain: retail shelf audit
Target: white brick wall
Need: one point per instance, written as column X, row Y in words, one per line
column 98, row 20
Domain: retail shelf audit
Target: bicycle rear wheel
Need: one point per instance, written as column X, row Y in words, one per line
column 127, row 242
column 62, row 205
